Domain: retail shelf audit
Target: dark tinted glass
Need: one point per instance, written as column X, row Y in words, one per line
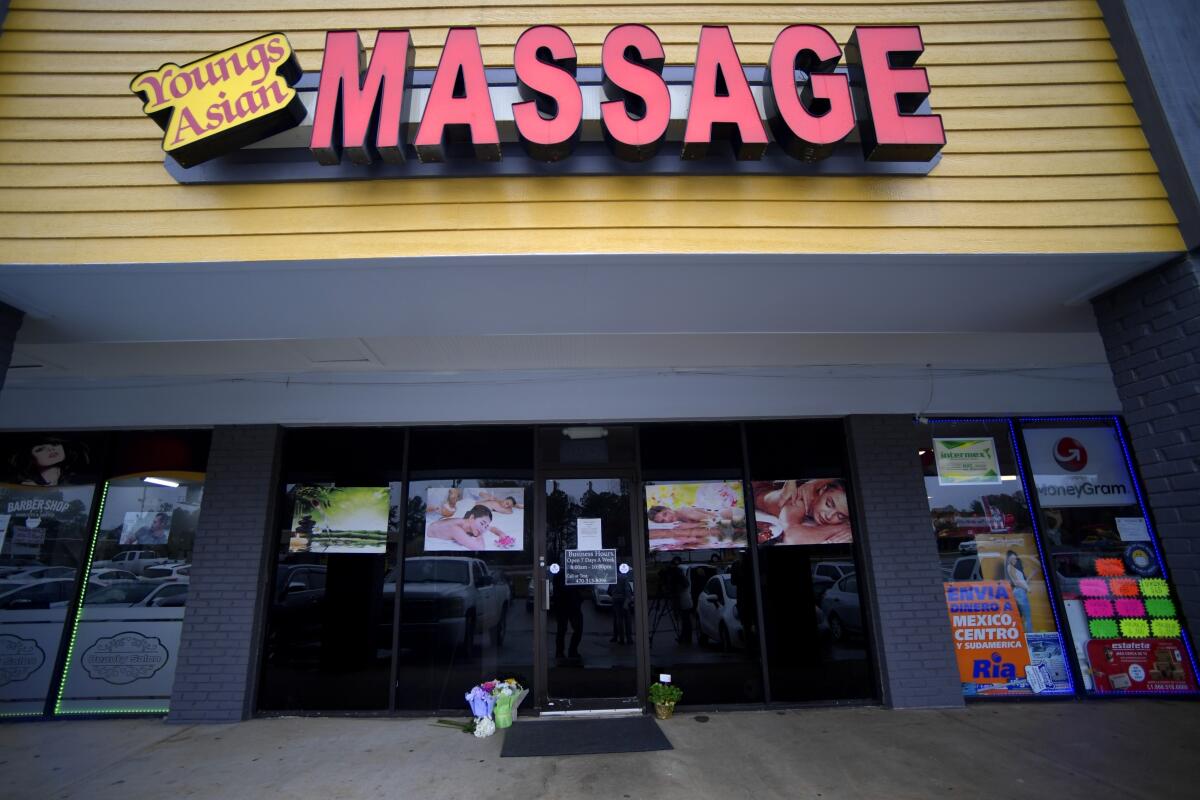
column 703, row 625
column 817, row 647
column 328, row 644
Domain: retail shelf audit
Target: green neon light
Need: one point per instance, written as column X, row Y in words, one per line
column 20, row 713
column 86, row 711
column 87, row 576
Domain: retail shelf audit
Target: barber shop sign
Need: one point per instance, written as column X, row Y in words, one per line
column 815, row 107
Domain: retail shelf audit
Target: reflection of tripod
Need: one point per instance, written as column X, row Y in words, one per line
column 661, row 607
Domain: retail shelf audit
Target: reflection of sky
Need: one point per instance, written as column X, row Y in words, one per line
column 145, row 497
column 961, row 496
column 576, row 488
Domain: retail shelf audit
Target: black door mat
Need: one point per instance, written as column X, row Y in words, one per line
column 575, row 737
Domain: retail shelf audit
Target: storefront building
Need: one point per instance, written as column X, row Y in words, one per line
column 843, row 353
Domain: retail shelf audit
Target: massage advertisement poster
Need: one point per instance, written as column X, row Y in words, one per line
column 339, row 519
column 802, row 512
column 475, row 519
column 696, row 516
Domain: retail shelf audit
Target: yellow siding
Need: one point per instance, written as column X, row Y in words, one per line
column 1045, row 151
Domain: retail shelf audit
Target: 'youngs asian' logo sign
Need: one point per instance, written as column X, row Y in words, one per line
column 225, row 101
column 804, row 111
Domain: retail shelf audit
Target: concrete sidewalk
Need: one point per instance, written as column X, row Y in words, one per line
column 1135, row 749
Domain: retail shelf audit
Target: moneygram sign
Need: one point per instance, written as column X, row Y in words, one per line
column 805, row 111
column 1079, row 467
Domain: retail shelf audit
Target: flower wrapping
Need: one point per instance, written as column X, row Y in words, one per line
column 504, row 710
column 480, row 701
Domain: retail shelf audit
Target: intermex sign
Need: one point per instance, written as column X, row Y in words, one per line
column 803, row 112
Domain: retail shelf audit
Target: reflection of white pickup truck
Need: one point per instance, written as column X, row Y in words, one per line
column 452, row 599
column 134, row 561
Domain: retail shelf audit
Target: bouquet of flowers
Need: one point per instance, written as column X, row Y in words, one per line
column 494, row 703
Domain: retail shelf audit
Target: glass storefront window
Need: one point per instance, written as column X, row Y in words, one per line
column 126, row 638
column 331, row 608
column 1122, row 613
column 45, row 506
column 816, row 632
column 466, row 611
column 702, row 615
column 1003, row 618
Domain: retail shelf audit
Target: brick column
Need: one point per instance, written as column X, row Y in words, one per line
column 221, row 642
column 10, row 323
column 1151, row 330
column 907, row 607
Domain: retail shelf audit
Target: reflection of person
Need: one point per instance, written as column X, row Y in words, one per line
column 502, row 505
column 467, row 531
column 154, row 533
column 681, row 599
column 621, row 593
column 49, row 462
column 1054, row 523
column 567, row 605
column 1014, row 573
column 813, row 512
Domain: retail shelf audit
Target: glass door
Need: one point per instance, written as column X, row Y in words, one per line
column 591, row 595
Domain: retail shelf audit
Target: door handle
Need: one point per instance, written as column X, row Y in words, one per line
column 547, row 605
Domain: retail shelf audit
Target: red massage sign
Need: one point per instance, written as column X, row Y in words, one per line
column 380, row 111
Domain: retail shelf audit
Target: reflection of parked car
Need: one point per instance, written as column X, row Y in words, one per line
column 295, row 607
column 166, row 595
column 13, row 565
column 600, row 597
column 842, row 608
column 39, row 594
column 137, row 593
column 718, row 613
column 452, row 599
column 827, row 573
column 966, row 569
column 179, row 570
column 105, row 577
column 136, row 561
column 38, row 573
column 119, row 593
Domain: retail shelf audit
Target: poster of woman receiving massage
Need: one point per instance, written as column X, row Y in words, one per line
column 696, row 516
column 802, row 512
column 465, row 518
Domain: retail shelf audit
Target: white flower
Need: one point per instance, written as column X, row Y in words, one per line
column 484, row 727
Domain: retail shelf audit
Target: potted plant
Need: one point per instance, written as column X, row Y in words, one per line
column 664, row 696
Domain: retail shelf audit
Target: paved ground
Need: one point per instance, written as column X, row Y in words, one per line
column 1137, row 749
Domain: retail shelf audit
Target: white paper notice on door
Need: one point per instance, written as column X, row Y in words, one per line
column 1132, row 529
column 590, row 536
